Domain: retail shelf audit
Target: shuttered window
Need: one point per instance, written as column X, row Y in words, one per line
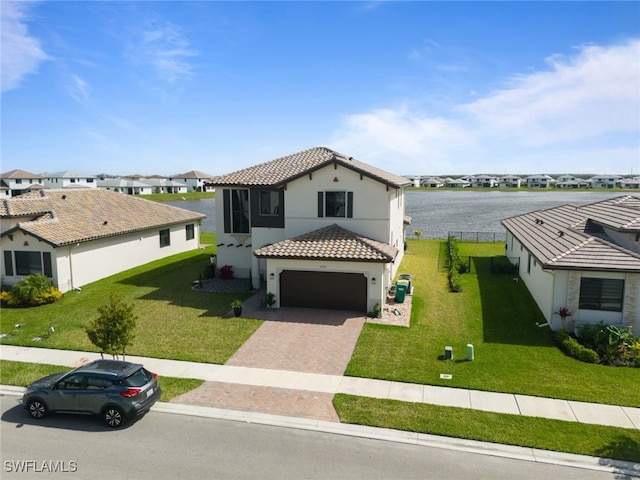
column 8, row 263
column 601, row 294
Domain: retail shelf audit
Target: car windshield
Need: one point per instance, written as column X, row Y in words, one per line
column 138, row 379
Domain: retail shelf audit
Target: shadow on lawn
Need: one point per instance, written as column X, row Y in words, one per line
column 173, row 283
column 623, row 446
column 509, row 312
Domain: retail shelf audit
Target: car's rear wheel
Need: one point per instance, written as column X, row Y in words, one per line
column 113, row 417
column 37, row 409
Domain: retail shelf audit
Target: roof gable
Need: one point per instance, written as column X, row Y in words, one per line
column 286, row 169
column 330, row 243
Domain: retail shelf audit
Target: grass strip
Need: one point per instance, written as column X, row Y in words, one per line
column 22, row 374
column 561, row 436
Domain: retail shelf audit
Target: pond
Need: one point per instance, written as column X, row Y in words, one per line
column 437, row 212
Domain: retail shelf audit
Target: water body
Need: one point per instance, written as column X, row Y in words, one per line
column 437, row 212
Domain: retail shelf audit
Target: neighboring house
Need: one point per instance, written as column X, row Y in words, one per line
column 163, row 185
column 585, row 258
column 484, row 181
column 416, row 181
column 77, row 236
column 69, row 179
column 606, row 181
column 125, row 185
column 568, row 182
column 322, row 229
column 457, row 183
column 196, row 181
column 433, row 182
column 630, row 183
column 509, row 181
column 539, row 181
column 17, row 182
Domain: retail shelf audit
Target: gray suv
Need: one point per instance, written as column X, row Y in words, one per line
column 115, row 390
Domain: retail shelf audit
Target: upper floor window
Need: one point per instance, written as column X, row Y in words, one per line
column 269, row 202
column 18, row 180
column 601, row 294
column 337, row 204
column 236, row 210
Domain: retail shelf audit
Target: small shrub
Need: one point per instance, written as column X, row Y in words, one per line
column 35, row 289
column 226, row 272
column 455, row 284
column 571, row 346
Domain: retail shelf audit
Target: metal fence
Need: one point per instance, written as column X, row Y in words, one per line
column 479, row 236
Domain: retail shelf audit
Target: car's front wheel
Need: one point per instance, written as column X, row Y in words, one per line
column 37, row 409
column 113, row 417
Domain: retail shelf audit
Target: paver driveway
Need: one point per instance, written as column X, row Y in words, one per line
column 298, row 339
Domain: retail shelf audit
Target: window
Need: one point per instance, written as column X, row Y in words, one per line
column 18, row 181
column 28, row 263
column 235, row 203
column 601, row 294
column 8, row 263
column 335, row 204
column 89, row 180
column 190, row 231
column 269, row 202
column 165, row 238
column 97, row 383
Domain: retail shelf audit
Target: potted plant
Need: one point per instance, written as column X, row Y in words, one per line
column 237, row 307
column 270, row 299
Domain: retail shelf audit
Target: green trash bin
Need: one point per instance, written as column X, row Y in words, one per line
column 401, row 290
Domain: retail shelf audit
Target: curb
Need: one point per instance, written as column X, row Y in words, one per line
column 617, row 467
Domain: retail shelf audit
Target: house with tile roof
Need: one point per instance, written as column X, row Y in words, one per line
column 196, row 181
column 585, row 258
column 80, row 235
column 16, row 182
column 319, row 228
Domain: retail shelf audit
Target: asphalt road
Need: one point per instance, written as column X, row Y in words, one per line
column 172, row 446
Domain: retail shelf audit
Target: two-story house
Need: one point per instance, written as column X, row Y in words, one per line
column 17, row 182
column 606, row 181
column 484, row 181
column 322, row 229
column 196, row 181
column 510, row 181
column 69, row 179
column 539, row 181
column 585, row 258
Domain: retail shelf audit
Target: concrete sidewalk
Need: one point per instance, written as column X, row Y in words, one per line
column 572, row 411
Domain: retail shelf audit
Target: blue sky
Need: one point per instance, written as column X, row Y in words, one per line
column 411, row 87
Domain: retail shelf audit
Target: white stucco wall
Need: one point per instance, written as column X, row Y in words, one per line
column 79, row 264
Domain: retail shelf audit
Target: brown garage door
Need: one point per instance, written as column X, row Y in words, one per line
column 340, row 291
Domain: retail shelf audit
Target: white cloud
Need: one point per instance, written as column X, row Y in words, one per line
column 163, row 47
column 580, row 114
column 21, row 53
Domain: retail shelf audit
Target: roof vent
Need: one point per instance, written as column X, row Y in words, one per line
column 64, row 197
column 105, row 222
column 561, row 233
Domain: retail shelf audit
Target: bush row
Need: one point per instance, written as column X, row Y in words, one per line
column 574, row 349
column 36, row 289
column 455, row 267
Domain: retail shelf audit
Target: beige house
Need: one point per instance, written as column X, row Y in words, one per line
column 80, row 235
column 321, row 229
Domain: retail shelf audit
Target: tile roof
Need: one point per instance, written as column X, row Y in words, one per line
column 330, row 243
column 194, row 174
column 19, row 174
column 285, row 169
column 63, row 216
column 571, row 237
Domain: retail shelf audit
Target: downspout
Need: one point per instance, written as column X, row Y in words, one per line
column 70, row 269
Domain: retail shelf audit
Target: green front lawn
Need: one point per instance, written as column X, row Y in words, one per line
column 173, row 320
column 498, row 317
